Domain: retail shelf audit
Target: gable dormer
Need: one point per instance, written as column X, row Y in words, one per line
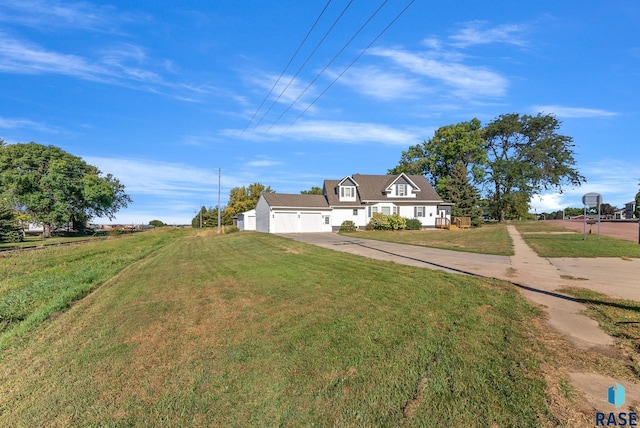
column 402, row 187
column 346, row 190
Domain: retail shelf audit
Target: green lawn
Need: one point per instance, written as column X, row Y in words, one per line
column 540, row 237
column 488, row 239
column 252, row 329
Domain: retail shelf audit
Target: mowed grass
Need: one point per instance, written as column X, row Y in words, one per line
column 488, row 239
column 546, row 242
column 37, row 283
column 255, row 330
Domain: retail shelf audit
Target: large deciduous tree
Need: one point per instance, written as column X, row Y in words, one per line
column 526, row 155
column 450, row 145
column 509, row 160
column 243, row 198
column 315, row 190
column 57, row 188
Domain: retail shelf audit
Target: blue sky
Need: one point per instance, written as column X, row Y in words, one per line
column 161, row 93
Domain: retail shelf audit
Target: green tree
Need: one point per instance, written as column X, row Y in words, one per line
column 10, row 231
column 156, row 223
column 313, row 191
column 463, row 195
column 526, row 155
column 243, row 199
column 450, row 145
column 57, row 188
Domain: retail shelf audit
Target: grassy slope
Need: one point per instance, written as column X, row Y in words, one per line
column 539, row 236
column 488, row 239
column 35, row 284
column 255, row 330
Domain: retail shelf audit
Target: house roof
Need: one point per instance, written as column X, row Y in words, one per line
column 372, row 188
column 299, row 201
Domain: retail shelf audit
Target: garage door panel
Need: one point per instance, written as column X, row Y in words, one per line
column 285, row 222
column 310, row 222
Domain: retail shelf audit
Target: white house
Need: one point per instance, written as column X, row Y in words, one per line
column 356, row 198
column 246, row 220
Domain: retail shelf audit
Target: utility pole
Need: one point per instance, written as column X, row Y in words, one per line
column 219, row 214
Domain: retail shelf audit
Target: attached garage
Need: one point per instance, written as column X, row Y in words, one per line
column 280, row 213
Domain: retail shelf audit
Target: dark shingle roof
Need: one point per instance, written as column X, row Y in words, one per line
column 301, row 201
column 371, row 188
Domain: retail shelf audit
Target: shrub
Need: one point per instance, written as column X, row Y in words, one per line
column 413, row 224
column 381, row 221
column 156, row 223
column 348, row 226
column 231, row 229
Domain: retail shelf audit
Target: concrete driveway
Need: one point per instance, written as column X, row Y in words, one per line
column 432, row 258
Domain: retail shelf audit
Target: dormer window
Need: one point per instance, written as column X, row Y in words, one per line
column 401, row 189
column 347, row 193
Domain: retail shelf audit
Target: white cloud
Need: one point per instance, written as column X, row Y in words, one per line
column 380, row 84
column 478, row 33
column 264, row 163
column 466, row 81
column 334, row 132
column 608, row 177
column 572, row 112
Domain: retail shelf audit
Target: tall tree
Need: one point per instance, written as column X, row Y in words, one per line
column 10, row 231
column 450, row 145
column 243, row 198
column 526, row 155
column 313, row 191
column 463, row 195
column 57, row 188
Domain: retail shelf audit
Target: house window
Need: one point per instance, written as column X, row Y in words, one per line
column 374, row 209
column 326, row 219
column 386, row 210
column 418, row 212
column 401, row 190
column 395, row 210
column 355, row 211
column 347, row 192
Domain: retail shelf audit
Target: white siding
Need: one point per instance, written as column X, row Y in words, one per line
column 341, row 214
column 263, row 216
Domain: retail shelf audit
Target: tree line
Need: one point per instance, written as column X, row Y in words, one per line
column 50, row 187
column 495, row 168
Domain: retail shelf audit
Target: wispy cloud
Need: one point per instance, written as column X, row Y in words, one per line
column 334, row 132
column 49, row 14
column 481, row 33
column 263, row 163
column 465, row 80
column 381, row 84
column 572, row 112
column 609, row 177
column 13, row 123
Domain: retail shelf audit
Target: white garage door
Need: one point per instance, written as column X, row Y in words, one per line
column 285, row 222
column 310, row 222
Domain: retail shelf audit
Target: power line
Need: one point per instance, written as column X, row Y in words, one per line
column 335, row 22
column 331, row 62
column 288, row 64
column 352, row 62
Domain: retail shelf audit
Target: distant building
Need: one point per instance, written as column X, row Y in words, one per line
column 629, row 209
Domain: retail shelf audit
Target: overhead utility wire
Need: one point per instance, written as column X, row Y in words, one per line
column 288, row 64
column 305, row 62
column 329, row 64
column 353, row 62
